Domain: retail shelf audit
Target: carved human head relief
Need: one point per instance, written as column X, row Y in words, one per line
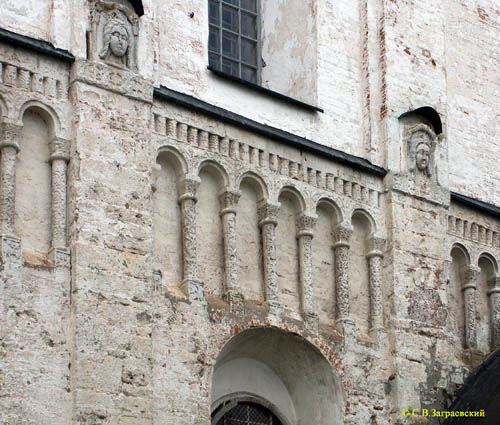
column 114, row 34
column 421, row 146
column 115, row 38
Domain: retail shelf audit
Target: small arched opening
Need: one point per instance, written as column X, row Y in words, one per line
column 278, row 376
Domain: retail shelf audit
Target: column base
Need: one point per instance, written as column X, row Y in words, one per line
column 347, row 328
column 311, row 322
column 473, row 357
column 193, row 288
column 11, row 252
column 236, row 302
column 378, row 334
column 60, row 257
column 275, row 308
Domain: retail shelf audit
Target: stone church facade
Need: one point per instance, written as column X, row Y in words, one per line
column 321, row 247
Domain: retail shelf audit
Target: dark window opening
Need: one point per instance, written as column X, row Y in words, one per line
column 243, row 413
column 234, row 38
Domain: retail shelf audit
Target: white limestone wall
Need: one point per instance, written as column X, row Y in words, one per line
column 411, row 55
column 473, row 89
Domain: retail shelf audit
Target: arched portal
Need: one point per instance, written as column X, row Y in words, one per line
column 279, row 372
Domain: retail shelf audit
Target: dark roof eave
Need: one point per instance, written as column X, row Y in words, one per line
column 267, row 131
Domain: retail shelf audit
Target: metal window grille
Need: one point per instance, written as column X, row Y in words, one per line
column 234, row 38
column 245, row 413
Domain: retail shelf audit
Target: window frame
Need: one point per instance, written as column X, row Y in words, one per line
column 220, row 29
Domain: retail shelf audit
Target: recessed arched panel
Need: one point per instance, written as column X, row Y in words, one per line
column 167, row 216
column 359, row 285
column 249, row 240
column 287, row 251
column 33, row 182
column 282, row 369
column 209, row 228
column 460, row 258
column 174, row 158
column 488, row 270
column 217, row 171
column 47, row 113
column 258, row 182
column 323, row 260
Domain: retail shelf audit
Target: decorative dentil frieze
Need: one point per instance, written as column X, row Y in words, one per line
column 24, row 79
column 266, row 161
column 473, row 231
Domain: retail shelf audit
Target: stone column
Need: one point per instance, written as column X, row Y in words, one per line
column 191, row 284
column 494, row 294
column 9, row 147
column 375, row 257
column 305, row 226
column 469, row 284
column 229, row 201
column 341, row 236
column 10, row 244
column 59, row 157
column 268, row 220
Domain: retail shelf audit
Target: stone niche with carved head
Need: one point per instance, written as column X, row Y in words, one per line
column 114, row 28
column 421, row 166
column 421, row 146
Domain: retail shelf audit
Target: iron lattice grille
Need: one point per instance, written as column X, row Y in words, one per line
column 248, row 414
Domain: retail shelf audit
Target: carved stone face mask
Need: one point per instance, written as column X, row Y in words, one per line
column 118, row 42
column 422, row 158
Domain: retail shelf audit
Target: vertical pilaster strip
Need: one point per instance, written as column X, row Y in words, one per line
column 305, row 227
column 470, row 275
column 229, row 201
column 9, row 146
column 59, row 157
column 191, row 284
column 268, row 220
column 341, row 236
column 494, row 294
column 375, row 257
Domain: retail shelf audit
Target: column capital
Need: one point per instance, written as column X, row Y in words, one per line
column 470, row 274
column 268, row 212
column 228, row 201
column 59, row 149
column 376, row 247
column 11, row 134
column 342, row 235
column 494, row 285
column 305, row 224
column 188, row 186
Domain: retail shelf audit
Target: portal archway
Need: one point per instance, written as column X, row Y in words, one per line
column 280, row 372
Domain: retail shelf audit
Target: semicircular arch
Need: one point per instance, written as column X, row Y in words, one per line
column 282, row 368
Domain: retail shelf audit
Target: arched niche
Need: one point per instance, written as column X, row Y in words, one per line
column 460, row 259
column 291, row 205
column 209, row 230
column 46, row 112
column 488, row 270
column 137, row 5
column 323, row 260
column 167, row 174
column 426, row 115
column 250, row 258
column 359, row 285
column 285, row 371
column 33, row 181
